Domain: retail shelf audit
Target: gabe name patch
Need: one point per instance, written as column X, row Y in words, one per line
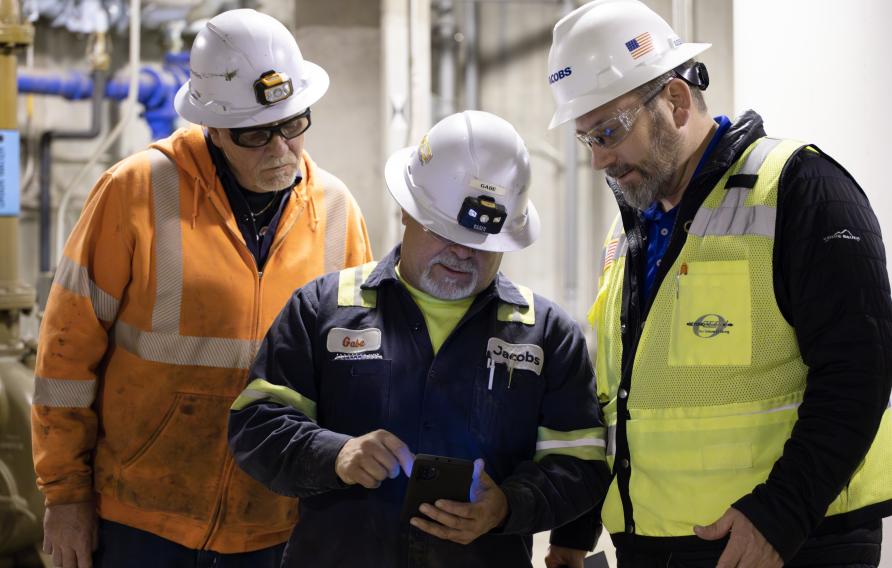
column 342, row 340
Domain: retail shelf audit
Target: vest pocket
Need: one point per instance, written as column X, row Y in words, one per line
column 712, row 319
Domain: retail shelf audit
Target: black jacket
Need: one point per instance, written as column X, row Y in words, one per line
column 837, row 299
column 448, row 404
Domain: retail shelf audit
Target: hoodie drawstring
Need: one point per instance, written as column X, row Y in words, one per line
column 199, row 187
column 314, row 217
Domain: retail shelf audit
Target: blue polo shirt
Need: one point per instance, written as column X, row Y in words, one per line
column 659, row 223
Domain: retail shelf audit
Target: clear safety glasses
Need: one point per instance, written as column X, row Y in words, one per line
column 611, row 132
column 258, row 137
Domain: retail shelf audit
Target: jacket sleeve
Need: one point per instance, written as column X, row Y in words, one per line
column 835, row 293
column 83, row 303
column 272, row 430
column 568, row 475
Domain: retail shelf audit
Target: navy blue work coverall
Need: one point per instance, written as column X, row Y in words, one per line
column 324, row 373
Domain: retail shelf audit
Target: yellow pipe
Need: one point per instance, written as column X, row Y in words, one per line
column 14, row 295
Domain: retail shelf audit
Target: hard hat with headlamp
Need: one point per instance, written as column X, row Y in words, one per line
column 606, row 48
column 247, row 70
column 468, row 181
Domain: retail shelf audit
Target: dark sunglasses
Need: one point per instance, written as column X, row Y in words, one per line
column 258, row 137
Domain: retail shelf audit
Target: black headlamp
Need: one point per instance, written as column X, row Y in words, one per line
column 272, row 87
column 482, row 214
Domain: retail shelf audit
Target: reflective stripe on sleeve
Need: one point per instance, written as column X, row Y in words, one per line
column 587, row 444
column 262, row 390
column 66, row 393
column 76, row 279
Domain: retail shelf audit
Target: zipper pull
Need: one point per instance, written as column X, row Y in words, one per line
column 492, row 369
column 510, row 374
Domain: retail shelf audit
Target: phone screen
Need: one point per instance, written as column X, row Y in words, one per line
column 436, row 477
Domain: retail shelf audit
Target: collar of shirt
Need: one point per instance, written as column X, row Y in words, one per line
column 234, row 190
column 500, row 287
column 258, row 244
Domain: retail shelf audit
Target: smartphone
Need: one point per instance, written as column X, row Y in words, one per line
column 436, row 477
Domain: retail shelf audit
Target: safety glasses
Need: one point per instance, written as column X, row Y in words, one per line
column 611, row 132
column 437, row 237
column 258, row 137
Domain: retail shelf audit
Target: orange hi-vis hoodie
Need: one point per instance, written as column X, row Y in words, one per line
column 155, row 313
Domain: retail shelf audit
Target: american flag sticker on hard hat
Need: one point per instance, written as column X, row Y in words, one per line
column 639, row 46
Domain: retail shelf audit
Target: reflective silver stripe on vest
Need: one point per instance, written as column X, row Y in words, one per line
column 67, row 393
column 621, row 247
column 176, row 349
column 732, row 217
column 335, row 223
column 75, row 278
column 611, row 440
column 164, row 344
column 168, row 244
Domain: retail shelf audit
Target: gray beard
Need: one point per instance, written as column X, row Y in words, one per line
column 656, row 171
column 447, row 288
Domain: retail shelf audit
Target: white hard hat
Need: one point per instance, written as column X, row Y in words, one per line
column 605, row 49
column 468, row 181
column 246, row 70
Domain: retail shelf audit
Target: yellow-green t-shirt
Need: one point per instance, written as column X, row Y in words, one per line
column 440, row 316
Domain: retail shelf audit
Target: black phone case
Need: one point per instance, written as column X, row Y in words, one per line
column 436, row 477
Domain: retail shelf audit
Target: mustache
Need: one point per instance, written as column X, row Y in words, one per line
column 618, row 170
column 279, row 162
column 450, row 261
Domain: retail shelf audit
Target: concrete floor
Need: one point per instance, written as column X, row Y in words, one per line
column 540, row 546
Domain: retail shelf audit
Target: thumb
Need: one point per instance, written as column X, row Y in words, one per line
column 716, row 530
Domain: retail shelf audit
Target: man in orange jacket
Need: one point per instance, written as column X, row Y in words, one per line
column 182, row 258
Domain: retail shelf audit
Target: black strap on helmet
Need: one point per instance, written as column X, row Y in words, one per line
column 696, row 75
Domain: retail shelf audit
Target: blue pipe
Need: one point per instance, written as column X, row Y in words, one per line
column 157, row 89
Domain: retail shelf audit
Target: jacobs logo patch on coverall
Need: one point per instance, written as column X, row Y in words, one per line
column 516, row 355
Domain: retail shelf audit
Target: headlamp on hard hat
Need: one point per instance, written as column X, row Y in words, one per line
column 272, row 87
column 482, row 214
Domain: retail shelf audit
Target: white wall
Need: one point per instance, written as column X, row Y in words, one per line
column 818, row 70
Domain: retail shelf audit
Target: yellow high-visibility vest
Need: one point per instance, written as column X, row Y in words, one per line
column 717, row 376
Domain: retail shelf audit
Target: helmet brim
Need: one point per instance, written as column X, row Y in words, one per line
column 504, row 241
column 574, row 108
column 317, row 84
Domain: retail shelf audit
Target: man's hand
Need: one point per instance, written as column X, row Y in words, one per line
column 370, row 459
column 746, row 548
column 560, row 556
column 464, row 522
column 70, row 534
